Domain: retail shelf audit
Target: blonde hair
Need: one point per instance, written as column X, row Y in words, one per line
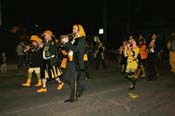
column 81, row 30
column 63, row 36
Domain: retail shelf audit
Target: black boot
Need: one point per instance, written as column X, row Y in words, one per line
column 69, row 100
column 133, row 82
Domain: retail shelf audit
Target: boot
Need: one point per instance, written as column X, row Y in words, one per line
column 133, row 83
column 39, row 83
column 42, row 90
column 27, row 84
column 143, row 73
column 60, row 86
column 138, row 73
column 122, row 69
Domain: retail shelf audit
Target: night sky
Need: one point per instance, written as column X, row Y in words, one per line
column 60, row 15
column 137, row 15
column 123, row 17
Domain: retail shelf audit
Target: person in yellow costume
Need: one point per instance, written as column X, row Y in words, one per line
column 50, row 70
column 171, row 48
column 35, row 52
column 131, row 52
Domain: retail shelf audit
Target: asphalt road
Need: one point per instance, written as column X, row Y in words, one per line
column 106, row 94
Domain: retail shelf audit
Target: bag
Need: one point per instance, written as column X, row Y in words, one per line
column 85, row 58
column 63, row 63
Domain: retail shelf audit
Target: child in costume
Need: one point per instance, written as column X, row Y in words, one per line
column 131, row 52
column 50, row 69
column 35, row 52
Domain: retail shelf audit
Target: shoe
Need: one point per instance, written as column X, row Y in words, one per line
column 132, row 88
column 69, row 100
column 80, row 93
column 143, row 76
column 60, row 86
column 42, row 90
column 27, row 84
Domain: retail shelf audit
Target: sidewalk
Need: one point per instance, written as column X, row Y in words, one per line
column 12, row 66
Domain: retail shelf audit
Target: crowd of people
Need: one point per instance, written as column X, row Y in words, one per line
column 63, row 59
column 141, row 57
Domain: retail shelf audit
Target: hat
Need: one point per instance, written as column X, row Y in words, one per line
column 35, row 38
column 47, row 32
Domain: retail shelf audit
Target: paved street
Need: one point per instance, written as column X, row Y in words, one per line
column 106, row 95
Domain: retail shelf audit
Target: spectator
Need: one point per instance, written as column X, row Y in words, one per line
column 21, row 55
column 4, row 62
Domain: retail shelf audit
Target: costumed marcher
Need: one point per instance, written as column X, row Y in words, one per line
column 70, row 73
column 35, row 52
column 123, row 59
column 142, row 57
column 131, row 52
column 151, row 61
column 100, row 56
column 63, row 58
column 158, row 48
column 79, row 42
column 86, row 59
column 50, row 68
column 171, row 48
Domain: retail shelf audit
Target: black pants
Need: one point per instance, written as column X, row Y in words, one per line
column 70, row 76
column 151, row 66
column 86, row 71
column 131, row 79
column 100, row 61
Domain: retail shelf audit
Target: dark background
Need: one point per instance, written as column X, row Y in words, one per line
column 121, row 18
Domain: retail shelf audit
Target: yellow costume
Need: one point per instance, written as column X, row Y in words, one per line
column 132, row 61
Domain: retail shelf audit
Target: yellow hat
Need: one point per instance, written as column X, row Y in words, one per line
column 47, row 32
column 35, row 38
